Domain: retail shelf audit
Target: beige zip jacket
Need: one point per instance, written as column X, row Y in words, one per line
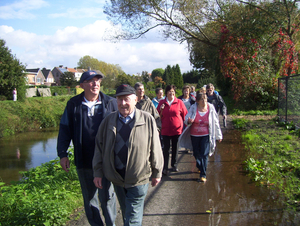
column 145, row 157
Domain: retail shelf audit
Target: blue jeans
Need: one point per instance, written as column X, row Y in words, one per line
column 91, row 196
column 201, row 147
column 132, row 203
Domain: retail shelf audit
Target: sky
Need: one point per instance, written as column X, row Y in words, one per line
column 49, row 33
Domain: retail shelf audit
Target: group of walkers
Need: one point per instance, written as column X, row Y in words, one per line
column 119, row 143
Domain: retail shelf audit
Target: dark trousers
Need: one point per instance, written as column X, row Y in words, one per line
column 201, row 147
column 92, row 195
column 166, row 141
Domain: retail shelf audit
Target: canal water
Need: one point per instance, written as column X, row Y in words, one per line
column 24, row 151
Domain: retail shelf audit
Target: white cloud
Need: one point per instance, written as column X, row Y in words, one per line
column 68, row 45
column 21, row 9
column 79, row 13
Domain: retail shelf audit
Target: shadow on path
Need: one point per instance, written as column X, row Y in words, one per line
column 227, row 198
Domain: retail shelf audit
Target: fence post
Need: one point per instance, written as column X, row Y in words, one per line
column 286, row 94
column 278, row 97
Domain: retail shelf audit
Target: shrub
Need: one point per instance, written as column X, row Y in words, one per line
column 46, row 195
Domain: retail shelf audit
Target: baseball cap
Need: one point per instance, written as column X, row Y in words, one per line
column 125, row 89
column 88, row 75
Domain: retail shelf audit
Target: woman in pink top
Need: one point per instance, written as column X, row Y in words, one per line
column 172, row 112
column 202, row 132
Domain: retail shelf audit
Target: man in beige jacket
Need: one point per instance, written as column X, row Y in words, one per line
column 128, row 153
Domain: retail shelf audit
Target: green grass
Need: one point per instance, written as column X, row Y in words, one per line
column 32, row 114
column 240, row 123
column 46, row 195
column 274, row 157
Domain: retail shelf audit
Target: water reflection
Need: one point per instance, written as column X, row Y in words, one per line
column 229, row 197
column 24, row 151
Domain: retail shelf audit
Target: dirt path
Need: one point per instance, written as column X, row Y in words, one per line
column 227, row 198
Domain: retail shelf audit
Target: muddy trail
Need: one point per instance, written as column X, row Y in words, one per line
column 228, row 197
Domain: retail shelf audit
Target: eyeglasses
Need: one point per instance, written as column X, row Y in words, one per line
column 93, row 80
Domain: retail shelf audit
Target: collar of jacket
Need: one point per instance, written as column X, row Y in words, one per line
column 139, row 120
column 175, row 100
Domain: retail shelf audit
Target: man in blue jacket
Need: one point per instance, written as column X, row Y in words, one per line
column 79, row 124
column 216, row 100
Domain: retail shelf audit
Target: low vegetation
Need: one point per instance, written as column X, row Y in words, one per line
column 46, row 195
column 274, row 158
column 31, row 114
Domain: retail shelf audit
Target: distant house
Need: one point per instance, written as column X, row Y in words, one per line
column 57, row 73
column 49, row 79
column 35, row 76
column 78, row 73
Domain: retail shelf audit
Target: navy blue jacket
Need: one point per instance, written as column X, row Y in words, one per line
column 218, row 103
column 70, row 128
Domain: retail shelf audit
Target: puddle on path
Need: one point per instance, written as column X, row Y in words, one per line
column 228, row 197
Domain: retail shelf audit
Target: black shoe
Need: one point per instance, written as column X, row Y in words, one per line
column 165, row 172
column 175, row 169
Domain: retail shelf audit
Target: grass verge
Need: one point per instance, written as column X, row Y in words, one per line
column 31, row 114
column 274, row 155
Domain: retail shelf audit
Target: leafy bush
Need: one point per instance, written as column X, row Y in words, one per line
column 2, row 98
column 60, row 90
column 46, row 195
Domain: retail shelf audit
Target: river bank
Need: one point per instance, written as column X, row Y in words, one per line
column 31, row 115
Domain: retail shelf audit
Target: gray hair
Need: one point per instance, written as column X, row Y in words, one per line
column 137, row 85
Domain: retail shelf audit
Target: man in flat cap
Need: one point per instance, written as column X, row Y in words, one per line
column 128, row 153
column 79, row 124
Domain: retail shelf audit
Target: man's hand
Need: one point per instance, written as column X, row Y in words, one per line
column 65, row 164
column 98, row 182
column 155, row 181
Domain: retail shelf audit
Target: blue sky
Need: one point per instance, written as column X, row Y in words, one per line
column 44, row 33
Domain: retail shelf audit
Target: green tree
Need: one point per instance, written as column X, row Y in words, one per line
column 179, row 20
column 109, row 81
column 178, row 79
column 159, row 82
column 88, row 62
column 248, row 43
column 168, row 75
column 125, row 79
column 68, row 79
column 158, row 72
column 111, row 71
column 11, row 74
column 191, row 76
column 254, row 60
column 145, row 77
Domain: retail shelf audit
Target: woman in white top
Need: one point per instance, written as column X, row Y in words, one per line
column 202, row 132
